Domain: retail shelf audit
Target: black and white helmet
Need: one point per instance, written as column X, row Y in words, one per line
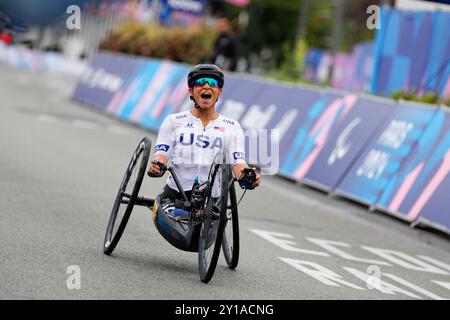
column 205, row 70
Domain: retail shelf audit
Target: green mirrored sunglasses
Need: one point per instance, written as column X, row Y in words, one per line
column 202, row 81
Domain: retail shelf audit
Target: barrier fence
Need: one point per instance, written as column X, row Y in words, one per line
column 24, row 58
column 394, row 157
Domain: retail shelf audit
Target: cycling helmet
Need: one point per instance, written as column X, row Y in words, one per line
column 205, row 70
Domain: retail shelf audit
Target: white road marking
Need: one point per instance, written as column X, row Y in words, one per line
column 320, row 273
column 446, row 285
column 405, row 260
column 414, row 287
column 441, row 264
column 331, row 278
column 331, row 246
column 285, row 244
column 382, row 286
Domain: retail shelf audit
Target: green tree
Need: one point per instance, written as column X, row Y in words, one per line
column 274, row 24
column 320, row 23
column 355, row 23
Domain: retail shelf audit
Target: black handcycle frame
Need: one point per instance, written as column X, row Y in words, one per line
column 216, row 214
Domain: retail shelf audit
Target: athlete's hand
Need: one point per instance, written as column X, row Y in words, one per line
column 249, row 175
column 155, row 170
column 257, row 179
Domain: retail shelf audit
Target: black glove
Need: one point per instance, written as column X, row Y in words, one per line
column 247, row 178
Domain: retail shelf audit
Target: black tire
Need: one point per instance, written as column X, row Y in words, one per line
column 230, row 241
column 136, row 169
column 211, row 231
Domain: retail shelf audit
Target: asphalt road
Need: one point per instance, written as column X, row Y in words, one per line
column 61, row 164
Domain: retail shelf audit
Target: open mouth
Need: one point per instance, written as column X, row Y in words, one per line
column 206, row 95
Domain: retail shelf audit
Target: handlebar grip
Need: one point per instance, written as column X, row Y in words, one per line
column 161, row 165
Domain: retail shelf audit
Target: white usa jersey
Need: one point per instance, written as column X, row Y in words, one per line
column 191, row 147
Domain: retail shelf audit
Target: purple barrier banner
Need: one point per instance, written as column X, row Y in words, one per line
column 126, row 98
column 432, row 204
column 317, row 65
column 278, row 107
column 384, row 154
column 352, row 131
column 282, row 109
column 312, row 63
column 233, row 101
column 181, row 12
column 344, row 66
column 437, row 74
column 238, row 102
column 420, row 189
column 352, row 71
column 307, row 140
column 362, row 72
column 106, row 75
column 157, row 88
column 260, row 105
column 411, row 52
column 238, row 94
column 35, row 60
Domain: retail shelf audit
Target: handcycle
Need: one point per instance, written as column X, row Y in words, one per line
column 211, row 223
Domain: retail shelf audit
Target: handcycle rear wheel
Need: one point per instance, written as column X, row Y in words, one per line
column 230, row 241
column 211, row 231
column 126, row 196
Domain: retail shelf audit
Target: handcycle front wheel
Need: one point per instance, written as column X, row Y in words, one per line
column 127, row 195
column 212, row 227
column 230, row 241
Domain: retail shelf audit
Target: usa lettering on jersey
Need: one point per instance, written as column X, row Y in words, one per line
column 201, row 141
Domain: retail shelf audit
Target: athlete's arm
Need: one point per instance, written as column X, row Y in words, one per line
column 164, row 145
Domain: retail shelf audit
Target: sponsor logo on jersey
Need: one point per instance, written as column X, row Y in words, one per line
column 190, row 125
column 228, row 121
column 162, row 147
